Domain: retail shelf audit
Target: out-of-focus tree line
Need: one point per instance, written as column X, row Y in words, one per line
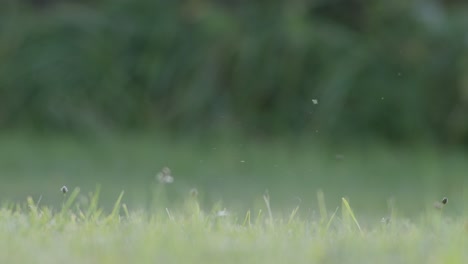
column 397, row 69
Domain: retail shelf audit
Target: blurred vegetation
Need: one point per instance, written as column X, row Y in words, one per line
column 396, row 70
column 234, row 175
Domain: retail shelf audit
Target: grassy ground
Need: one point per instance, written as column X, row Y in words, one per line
column 75, row 234
column 234, row 172
column 166, row 223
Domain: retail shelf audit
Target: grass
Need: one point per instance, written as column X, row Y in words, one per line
column 368, row 175
column 186, row 234
column 229, row 217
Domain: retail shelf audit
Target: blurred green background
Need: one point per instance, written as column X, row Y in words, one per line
column 361, row 99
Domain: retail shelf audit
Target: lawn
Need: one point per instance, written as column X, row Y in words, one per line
column 75, row 234
column 229, row 202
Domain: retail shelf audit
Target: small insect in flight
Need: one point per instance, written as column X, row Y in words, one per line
column 441, row 204
column 445, row 200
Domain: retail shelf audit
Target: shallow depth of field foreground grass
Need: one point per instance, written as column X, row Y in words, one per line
column 34, row 234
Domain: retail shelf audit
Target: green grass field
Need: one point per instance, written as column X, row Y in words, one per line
column 267, row 202
column 34, row 234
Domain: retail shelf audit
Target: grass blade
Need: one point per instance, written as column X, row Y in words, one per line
column 116, row 210
column 266, row 198
column 293, row 214
column 70, row 200
column 247, row 219
column 93, row 206
column 350, row 212
column 331, row 219
column 322, row 206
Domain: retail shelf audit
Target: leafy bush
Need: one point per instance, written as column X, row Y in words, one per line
column 391, row 69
